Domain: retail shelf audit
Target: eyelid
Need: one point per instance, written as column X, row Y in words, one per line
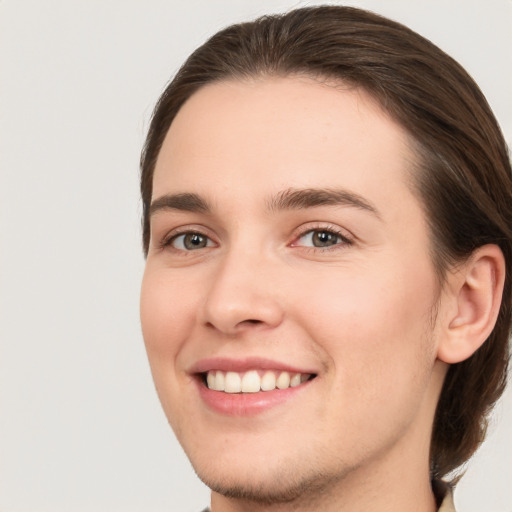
column 173, row 242
column 169, row 237
column 346, row 237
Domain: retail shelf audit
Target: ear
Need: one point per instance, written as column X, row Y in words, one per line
column 475, row 290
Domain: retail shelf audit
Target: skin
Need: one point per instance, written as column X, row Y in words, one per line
column 359, row 313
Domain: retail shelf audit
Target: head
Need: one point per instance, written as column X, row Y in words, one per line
column 455, row 165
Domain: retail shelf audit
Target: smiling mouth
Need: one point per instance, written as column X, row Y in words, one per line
column 253, row 381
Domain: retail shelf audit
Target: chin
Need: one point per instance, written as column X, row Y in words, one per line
column 271, row 483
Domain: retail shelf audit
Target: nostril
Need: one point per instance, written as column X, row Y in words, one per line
column 249, row 321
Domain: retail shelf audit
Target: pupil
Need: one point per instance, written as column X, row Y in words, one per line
column 324, row 238
column 194, row 241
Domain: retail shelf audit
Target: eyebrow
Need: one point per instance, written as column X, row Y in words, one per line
column 182, row 202
column 289, row 199
column 297, row 199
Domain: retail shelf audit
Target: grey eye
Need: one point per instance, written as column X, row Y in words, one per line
column 191, row 242
column 324, row 238
column 320, row 238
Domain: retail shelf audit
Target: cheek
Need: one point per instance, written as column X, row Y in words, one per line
column 167, row 309
column 372, row 329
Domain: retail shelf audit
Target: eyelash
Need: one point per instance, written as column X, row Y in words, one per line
column 173, row 236
column 343, row 242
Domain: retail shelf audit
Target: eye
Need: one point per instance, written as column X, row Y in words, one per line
column 190, row 241
column 321, row 238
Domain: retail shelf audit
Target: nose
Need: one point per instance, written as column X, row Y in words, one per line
column 242, row 295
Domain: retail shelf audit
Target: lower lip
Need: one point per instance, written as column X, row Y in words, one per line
column 246, row 404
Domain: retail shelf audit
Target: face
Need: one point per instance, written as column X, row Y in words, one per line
column 288, row 293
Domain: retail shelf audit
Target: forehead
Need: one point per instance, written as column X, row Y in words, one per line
column 244, row 138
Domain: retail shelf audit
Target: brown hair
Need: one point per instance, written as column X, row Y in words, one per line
column 462, row 175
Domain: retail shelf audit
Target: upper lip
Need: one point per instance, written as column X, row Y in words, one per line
column 242, row 365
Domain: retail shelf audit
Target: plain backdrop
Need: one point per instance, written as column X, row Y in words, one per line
column 81, row 429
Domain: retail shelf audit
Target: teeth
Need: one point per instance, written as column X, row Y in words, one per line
column 253, row 381
column 220, row 381
column 268, row 381
column 283, row 381
column 295, row 380
column 210, row 380
column 233, row 382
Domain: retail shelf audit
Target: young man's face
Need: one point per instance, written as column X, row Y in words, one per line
column 286, row 245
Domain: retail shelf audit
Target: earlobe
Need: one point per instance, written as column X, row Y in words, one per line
column 476, row 288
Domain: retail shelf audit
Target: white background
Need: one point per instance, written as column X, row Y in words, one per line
column 80, row 425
